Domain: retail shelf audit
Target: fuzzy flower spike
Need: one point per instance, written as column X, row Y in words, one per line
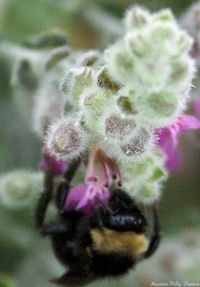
column 102, row 171
column 114, row 107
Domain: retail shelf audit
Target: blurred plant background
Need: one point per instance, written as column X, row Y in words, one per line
column 26, row 259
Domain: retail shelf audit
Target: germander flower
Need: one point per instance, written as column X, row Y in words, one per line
column 168, row 139
column 85, row 197
column 101, row 172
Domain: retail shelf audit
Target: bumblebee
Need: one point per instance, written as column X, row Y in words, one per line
column 108, row 242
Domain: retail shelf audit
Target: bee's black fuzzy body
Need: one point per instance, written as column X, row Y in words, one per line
column 108, row 242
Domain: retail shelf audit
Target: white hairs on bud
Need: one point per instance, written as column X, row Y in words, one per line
column 67, row 139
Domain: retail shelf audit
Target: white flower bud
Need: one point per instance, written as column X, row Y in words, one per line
column 148, row 193
column 184, row 42
column 182, row 73
column 66, row 138
column 160, row 108
column 94, row 100
column 149, row 74
column 94, row 103
column 137, row 17
column 169, row 39
column 118, row 127
column 120, row 63
column 164, row 33
column 76, row 81
column 164, row 15
column 113, row 127
column 137, row 43
column 144, row 179
column 19, row 188
column 151, row 168
column 137, row 146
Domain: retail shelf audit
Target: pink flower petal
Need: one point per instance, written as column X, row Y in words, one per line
column 173, row 162
column 101, row 169
column 187, row 122
column 75, row 195
column 168, row 139
column 49, row 162
column 84, row 198
column 96, row 173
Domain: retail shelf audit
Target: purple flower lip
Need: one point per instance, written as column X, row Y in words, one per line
column 101, row 171
column 51, row 163
column 168, row 139
column 84, row 198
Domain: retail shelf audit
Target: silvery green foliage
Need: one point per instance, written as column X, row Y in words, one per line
column 67, row 137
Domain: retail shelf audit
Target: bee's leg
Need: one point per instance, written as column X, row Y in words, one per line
column 44, row 200
column 73, row 166
column 97, row 219
column 56, row 229
column 156, row 236
column 61, row 194
column 73, row 279
column 64, row 186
